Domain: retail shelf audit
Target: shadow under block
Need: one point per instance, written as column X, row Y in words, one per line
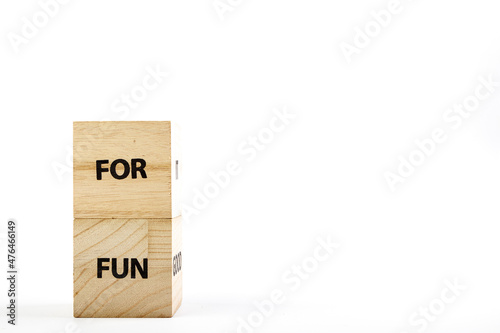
column 150, row 188
column 157, row 240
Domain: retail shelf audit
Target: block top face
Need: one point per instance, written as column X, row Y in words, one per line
column 125, row 169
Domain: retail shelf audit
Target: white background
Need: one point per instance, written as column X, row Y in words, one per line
column 323, row 175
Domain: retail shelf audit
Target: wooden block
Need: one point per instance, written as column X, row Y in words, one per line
column 155, row 291
column 129, row 169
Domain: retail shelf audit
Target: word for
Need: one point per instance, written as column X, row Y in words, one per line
column 138, row 165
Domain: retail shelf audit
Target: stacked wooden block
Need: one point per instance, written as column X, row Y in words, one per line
column 127, row 226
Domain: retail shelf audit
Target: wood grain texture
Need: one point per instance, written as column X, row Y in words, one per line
column 159, row 295
column 157, row 196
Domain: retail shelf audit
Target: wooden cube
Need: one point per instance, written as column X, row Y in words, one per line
column 126, row 169
column 127, row 267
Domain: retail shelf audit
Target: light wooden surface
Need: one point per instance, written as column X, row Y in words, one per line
column 176, row 249
column 156, row 142
column 159, row 295
column 176, row 172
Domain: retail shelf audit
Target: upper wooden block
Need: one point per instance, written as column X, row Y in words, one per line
column 126, row 169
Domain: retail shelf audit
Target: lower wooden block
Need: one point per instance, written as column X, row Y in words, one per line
column 127, row 267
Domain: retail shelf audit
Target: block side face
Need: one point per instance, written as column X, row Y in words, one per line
column 109, row 296
column 119, row 146
column 176, row 171
column 177, row 264
column 160, row 243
